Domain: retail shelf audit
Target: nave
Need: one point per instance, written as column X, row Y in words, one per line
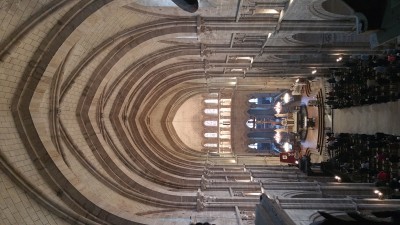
column 368, row 119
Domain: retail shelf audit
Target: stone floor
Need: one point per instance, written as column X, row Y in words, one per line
column 384, row 118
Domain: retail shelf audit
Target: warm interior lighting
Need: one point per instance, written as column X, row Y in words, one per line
column 314, row 72
column 278, row 107
column 278, row 137
column 237, row 70
column 211, row 101
column 298, row 79
column 286, row 98
column 266, row 11
column 252, row 193
column 286, row 146
column 380, row 194
column 245, row 58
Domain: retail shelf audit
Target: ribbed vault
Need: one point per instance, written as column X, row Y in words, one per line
column 90, row 89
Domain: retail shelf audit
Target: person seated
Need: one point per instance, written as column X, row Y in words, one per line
column 364, row 167
column 382, row 178
column 346, row 167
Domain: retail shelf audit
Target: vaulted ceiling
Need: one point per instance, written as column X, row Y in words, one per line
column 90, row 91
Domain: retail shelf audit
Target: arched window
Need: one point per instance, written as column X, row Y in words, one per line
column 211, row 101
column 253, row 100
column 261, row 100
column 226, row 122
column 226, row 101
column 210, row 145
column 211, row 123
column 210, row 135
column 225, row 132
column 253, row 146
column 225, row 112
column 211, row 111
column 251, row 123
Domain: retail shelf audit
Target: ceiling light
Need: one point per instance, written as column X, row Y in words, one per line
column 278, row 137
column 286, row 146
column 236, row 70
column 278, row 107
column 266, row 11
column 245, row 57
column 286, row 98
column 252, row 193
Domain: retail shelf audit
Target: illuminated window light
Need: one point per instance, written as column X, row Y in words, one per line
column 253, row 100
column 211, row 123
column 212, row 101
column 211, row 111
column 253, row 146
column 211, row 145
column 210, row 135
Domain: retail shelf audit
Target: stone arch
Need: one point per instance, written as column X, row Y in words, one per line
column 337, row 7
column 328, row 39
column 301, row 194
column 331, row 9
